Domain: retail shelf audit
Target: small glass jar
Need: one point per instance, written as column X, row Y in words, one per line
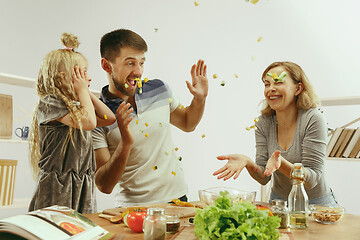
column 172, row 223
column 279, row 209
column 154, row 226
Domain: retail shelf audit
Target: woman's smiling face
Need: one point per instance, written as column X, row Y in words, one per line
column 280, row 94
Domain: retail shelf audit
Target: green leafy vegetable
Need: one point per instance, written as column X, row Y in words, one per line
column 224, row 220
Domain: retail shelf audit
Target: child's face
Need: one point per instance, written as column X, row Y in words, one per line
column 83, row 65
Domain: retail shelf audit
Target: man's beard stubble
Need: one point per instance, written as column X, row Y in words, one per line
column 121, row 87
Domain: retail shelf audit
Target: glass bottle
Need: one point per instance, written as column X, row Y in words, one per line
column 154, row 226
column 280, row 209
column 298, row 199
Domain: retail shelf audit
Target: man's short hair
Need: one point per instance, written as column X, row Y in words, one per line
column 112, row 42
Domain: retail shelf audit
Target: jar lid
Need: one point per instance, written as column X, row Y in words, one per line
column 155, row 211
column 279, row 202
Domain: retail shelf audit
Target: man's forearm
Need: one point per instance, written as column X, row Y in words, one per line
column 109, row 174
column 194, row 113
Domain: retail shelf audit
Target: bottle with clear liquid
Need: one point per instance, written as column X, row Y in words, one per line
column 298, row 199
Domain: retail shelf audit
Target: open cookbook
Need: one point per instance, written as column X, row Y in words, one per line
column 55, row 222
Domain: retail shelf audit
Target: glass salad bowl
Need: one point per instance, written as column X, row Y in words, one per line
column 208, row 196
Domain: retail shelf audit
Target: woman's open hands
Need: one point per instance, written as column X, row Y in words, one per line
column 273, row 163
column 234, row 166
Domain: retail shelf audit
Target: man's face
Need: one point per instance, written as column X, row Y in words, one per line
column 128, row 66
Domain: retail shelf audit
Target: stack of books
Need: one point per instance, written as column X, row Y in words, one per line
column 344, row 143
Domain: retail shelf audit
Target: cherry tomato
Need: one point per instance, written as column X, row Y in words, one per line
column 135, row 220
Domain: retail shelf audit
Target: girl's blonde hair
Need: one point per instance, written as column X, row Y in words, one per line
column 55, row 78
column 306, row 99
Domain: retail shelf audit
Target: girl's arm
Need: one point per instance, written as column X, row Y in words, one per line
column 82, row 91
column 104, row 115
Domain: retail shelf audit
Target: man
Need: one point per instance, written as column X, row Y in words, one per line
column 137, row 151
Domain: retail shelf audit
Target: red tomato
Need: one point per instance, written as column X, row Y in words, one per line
column 135, row 220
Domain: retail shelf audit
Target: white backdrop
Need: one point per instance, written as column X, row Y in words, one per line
column 321, row 36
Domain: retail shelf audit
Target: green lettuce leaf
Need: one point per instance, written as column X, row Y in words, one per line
column 224, row 220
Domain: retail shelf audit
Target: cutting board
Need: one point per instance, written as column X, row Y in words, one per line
column 182, row 212
column 6, row 116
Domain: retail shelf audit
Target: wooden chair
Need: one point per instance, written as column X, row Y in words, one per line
column 7, row 181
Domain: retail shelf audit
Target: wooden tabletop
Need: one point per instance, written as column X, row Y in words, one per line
column 347, row 228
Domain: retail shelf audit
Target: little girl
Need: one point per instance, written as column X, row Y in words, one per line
column 61, row 150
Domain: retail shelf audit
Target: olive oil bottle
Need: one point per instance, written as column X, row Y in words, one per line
column 298, row 199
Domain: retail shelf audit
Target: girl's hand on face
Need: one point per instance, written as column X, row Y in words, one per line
column 123, row 121
column 79, row 79
column 273, row 163
column 234, row 166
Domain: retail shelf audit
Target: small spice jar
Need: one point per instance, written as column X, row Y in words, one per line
column 279, row 209
column 172, row 223
column 154, row 226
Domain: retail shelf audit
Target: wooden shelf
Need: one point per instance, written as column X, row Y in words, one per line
column 340, row 101
column 343, row 159
column 13, row 141
column 26, row 82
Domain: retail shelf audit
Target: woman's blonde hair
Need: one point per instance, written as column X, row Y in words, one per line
column 55, row 78
column 306, row 99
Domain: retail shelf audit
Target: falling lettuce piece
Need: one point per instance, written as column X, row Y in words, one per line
column 282, row 77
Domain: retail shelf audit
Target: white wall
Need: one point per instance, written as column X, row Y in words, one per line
column 321, row 36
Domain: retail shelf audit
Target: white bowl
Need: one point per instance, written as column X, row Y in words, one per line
column 208, row 196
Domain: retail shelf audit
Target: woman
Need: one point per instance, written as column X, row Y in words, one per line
column 290, row 130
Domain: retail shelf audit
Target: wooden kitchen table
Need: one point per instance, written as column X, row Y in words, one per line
column 347, row 228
